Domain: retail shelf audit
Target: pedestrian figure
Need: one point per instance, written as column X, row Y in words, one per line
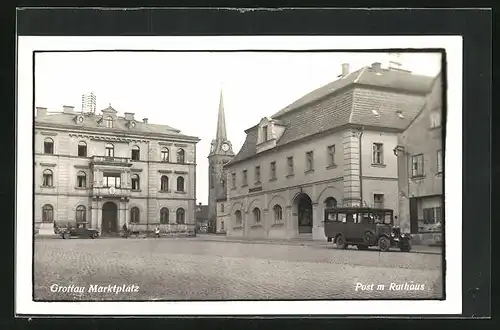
column 157, row 231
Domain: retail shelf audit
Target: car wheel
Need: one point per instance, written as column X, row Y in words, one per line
column 384, row 244
column 341, row 244
column 362, row 247
column 368, row 236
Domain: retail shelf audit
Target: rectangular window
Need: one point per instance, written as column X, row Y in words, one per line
column 309, row 161
column 378, row 154
column 82, row 151
column 233, row 180
column 48, row 147
column 435, row 118
column 378, row 201
column 417, row 165
column 440, row 161
column 432, row 220
column 273, row 170
column 82, row 182
column 112, row 180
column 331, row 155
column 257, row 174
column 245, row 178
column 110, row 152
column 289, row 162
column 222, row 207
column 264, row 133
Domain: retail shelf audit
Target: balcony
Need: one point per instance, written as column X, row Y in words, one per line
column 115, row 161
column 110, row 192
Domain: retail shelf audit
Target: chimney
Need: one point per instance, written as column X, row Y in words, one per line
column 145, row 120
column 41, row 111
column 129, row 115
column 345, row 69
column 377, row 67
column 68, row 109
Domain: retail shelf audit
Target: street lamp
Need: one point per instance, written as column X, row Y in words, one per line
column 398, row 149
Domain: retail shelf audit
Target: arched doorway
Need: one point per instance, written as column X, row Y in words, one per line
column 109, row 223
column 304, row 213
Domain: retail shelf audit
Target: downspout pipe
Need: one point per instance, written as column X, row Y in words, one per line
column 361, row 165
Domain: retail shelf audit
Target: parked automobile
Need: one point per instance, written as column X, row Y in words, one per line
column 69, row 232
column 364, row 227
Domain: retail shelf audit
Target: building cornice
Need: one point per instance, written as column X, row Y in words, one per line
column 114, row 132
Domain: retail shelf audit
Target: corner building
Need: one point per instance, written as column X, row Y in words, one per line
column 332, row 147
column 102, row 171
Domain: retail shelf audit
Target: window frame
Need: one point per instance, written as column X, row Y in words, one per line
column 180, row 211
column 135, row 215
column 309, row 161
column 47, row 209
column 419, row 171
column 164, row 211
column 81, row 174
column 256, row 215
column 265, row 132
column 49, row 174
column 165, row 154
column 439, row 162
column 48, row 143
column 233, row 180
column 108, row 122
column 81, row 209
column 331, row 154
column 278, row 214
column 83, row 145
column 244, row 179
column 290, row 166
column 135, row 178
column 137, row 153
column 381, row 204
column 257, row 174
column 181, row 182
column 272, row 167
column 109, row 147
column 238, row 217
column 377, row 149
column 166, row 179
column 181, row 156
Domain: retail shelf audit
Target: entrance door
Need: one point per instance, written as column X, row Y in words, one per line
column 109, row 223
column 305, row 214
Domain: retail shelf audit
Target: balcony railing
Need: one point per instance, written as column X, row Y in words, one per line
column 107, row 160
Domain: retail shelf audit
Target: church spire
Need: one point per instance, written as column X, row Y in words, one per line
column 221, row 121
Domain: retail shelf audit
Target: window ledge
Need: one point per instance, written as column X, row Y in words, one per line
column 418, row 177
column 164, row 191
column 379, row 165
column 309, row 171
column 290, row 175
column 256, row 226
column 180, row 192
column 135, row 190
column 238, row 227
column 439, row 174
column 48, row 187
column 331, row 166
column 273, row 179
column 277, row 224
column 81, row 188
column 244, row 185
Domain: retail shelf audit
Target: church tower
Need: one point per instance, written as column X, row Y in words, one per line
column 221, row 151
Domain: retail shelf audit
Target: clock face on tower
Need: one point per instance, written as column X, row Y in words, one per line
column 225, row 147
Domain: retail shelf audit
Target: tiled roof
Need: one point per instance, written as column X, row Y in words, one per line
column 355, row 99
column 119, row 124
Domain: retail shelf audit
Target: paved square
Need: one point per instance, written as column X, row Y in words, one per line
column 193, row 269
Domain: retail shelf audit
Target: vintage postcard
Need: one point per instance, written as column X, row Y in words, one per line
column 288, row 178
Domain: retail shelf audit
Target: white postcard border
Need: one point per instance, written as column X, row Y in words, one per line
column 24, row 303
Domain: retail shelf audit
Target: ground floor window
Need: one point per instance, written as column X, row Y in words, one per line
column 431, row 220
column 134, row 215
column 426, row 214
column 47, row 213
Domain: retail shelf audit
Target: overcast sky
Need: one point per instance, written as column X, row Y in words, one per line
column 182, row 89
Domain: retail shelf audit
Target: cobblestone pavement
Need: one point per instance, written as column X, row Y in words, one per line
column 191, row 269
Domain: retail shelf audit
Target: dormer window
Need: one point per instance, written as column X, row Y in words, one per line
column 108, row 122
column 264, row 133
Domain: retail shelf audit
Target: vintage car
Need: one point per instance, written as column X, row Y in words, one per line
column 80, row 231
column 364, row 227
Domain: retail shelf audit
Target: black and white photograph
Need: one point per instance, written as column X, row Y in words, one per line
column 199, row 173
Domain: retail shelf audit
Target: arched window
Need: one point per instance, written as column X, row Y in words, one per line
column 180, row 183
column 165, row 154
column 134, row 215
column 135, row 182
column 256, row 215
column 48, row 146
column 181, row 156
column 237, row 217
column 48, row 179
column 47, row 213
column 164, row 183
column 164, row 215
column 330, row 202
column 278, row 214
column 108, row 122
column 81, row 214
column 81, row 179
column 180, row 215
column 135, row 153
column 82, row 149
column 110, row 150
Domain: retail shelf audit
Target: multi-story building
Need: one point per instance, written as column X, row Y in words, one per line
column 104, row 171
column 221, row 152
column 421, row 163
column 334, row 146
